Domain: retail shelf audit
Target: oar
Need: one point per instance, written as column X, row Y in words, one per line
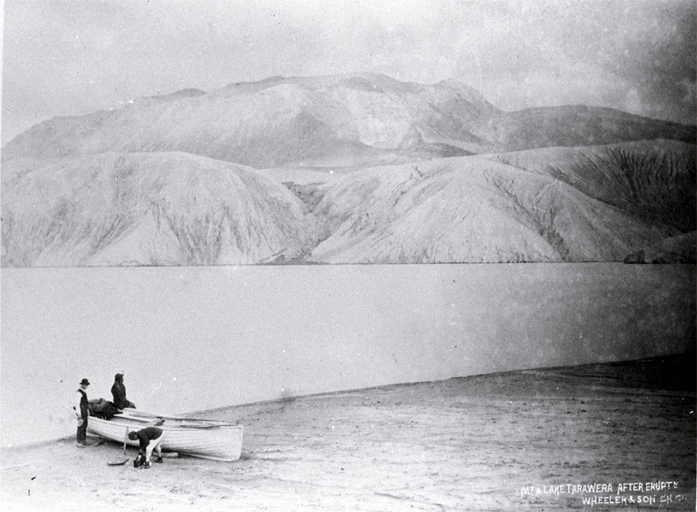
column 121, row 462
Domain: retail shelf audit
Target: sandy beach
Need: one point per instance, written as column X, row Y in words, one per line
column 594, row 437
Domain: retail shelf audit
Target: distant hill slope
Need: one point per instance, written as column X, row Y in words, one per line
column 653, row 180
column 677, row 249
column 348, row 120
column 144, row 209
column 580, row 125
column 601, row 203
column 583, row 204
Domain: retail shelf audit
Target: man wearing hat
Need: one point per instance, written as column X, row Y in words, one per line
column 82, row 413
column 118, row 391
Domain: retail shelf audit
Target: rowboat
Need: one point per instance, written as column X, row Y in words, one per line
column 202, row 438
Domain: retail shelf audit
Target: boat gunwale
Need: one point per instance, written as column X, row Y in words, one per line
column 153, row 423
column 148, row 417
column 141, row 415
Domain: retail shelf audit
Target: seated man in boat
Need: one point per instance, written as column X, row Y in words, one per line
column 118, row 391
column 150, row 439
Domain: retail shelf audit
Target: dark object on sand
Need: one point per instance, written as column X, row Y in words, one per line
column 118, row 462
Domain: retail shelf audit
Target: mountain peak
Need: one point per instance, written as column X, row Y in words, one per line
column 362, row 118
column 368, row 81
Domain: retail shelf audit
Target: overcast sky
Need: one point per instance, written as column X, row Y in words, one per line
column 73, row 57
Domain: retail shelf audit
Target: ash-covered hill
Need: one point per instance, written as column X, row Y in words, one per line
column 419, row 174
column 580, row 125
column 676, row 249
column 601, row 203
column 652, row 180
column 145, row 209
column 348, row 120
column 583, row 204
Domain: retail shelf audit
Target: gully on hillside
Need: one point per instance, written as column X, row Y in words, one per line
column 346, row 169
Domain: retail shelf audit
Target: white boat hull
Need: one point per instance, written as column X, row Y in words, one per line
column 198, row 438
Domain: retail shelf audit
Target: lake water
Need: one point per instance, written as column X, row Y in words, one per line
column 195, row 338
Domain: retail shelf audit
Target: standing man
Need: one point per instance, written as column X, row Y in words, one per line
column 118, row 391
column 150, row 439
column 82, row 413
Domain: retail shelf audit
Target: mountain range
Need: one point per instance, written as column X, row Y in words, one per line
column 354, row 168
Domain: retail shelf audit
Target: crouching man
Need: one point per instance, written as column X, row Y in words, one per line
column 150, row 439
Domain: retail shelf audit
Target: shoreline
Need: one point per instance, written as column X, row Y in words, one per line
column 470, row 443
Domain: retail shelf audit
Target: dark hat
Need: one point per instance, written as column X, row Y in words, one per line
column 84, row 382
column 118, row 376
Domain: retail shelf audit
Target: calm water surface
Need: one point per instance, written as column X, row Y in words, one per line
column 195, row 338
